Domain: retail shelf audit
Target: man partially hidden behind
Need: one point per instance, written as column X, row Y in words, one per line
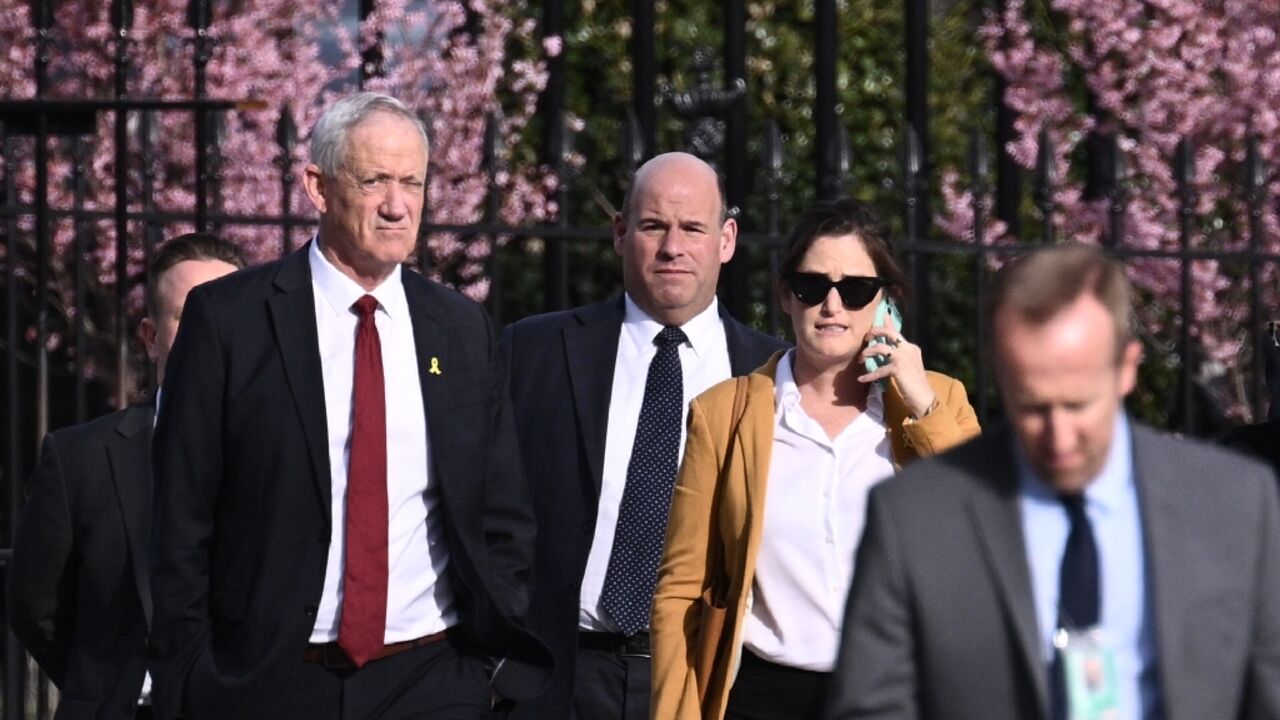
column 79, row 597
column 600, row 395
column 1076, row 564
column 343, row 528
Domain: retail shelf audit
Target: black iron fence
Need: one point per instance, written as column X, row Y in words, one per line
column 46, row 387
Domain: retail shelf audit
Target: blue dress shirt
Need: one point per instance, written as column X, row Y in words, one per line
column 1111, row 501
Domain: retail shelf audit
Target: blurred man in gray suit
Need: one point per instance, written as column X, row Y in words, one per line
column 1073, row 564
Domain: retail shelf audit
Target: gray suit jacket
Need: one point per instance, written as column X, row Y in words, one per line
column 940, row 622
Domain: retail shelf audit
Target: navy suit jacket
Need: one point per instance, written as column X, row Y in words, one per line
column 79, row 595
column 242, row 477
column 561, row 378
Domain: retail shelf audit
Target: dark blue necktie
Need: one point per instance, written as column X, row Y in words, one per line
column 1079, row 596
column 1078, row 590
column 646, row 499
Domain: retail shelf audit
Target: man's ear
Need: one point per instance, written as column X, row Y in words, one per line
column 313, row 181
column 619, row 232
column 728, row 240
column 147, row 333
column 1130, row 359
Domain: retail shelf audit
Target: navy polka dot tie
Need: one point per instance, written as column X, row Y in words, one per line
column 651, row 475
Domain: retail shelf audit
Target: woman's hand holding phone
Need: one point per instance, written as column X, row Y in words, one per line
column 899, row 359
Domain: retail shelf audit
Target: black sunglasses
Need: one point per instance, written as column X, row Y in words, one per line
column 855, row 291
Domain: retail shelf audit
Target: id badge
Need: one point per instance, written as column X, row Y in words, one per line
column 1089, row 665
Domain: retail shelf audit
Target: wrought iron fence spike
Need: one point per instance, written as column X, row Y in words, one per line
column 121, row 15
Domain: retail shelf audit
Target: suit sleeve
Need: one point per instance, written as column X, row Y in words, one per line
column 509, row 522
column 41, row 592
column 187, row 465
column 875, row 676
column 1263, row 682
column 683, row 575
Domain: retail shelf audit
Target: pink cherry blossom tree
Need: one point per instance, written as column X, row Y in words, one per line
column 458, row 62
column 1156, row 73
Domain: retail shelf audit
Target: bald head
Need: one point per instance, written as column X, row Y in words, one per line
column 677, row 162
column 672, row 236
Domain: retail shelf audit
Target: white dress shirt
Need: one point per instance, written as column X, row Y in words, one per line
column 815, row 506
column 704, row 361
column 419, row 599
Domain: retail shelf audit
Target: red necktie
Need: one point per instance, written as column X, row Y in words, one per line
column 364, row 589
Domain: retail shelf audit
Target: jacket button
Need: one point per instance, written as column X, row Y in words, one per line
column 586, row 528
column 310, row 610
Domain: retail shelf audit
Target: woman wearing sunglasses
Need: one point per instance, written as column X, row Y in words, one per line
column 769, row 504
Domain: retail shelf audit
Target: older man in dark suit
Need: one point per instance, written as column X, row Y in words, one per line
column 1074, row 564
column 343, row 530
column 600, row 394
column 79, row 596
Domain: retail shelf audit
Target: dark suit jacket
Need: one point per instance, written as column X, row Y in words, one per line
column 78, row 587
column 941, row 617
column 1261, row 439
column 243, row 490
column 561, row 379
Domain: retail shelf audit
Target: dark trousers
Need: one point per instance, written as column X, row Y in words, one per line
column 768, row 691
column 611, row 685
column 440, row 681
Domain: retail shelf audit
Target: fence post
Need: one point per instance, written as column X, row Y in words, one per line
column 199, row 15
column 979, row 170
column 556, row 138
column 1184, row 170
column 492, row 213
column 1117, row 175
column 916, row 42
column 79, row 192
column 217, row 135
column 633, row 147
column 555, row 260
column 371, row 54
column 1046, row 184
column 15, row 658
column 286, row 139
column 120, row 23
column 147, row 139
column 911, row 166
column 423, row 244
column 644, row 75
column 1255, row 180
column 825, row 121
column 44, row 22
column 772, row 151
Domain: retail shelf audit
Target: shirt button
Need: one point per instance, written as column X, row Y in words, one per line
column 830, row 540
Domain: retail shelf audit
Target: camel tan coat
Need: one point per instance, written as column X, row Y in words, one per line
column 713, row 536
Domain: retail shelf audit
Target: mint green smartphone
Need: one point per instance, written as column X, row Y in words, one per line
column 886, row 312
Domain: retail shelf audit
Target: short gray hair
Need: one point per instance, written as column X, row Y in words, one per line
column 329, row 138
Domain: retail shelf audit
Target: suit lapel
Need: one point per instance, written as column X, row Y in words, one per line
column 735, row 341
column 429, row 333
column 128, row 452
column 1169, row 572
column 293, row 317
column 591, row 349
column 745, row 352
column 998, row 522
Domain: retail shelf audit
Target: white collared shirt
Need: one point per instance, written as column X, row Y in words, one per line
column 419, row 599
column 704, row 361
column 815, row 507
